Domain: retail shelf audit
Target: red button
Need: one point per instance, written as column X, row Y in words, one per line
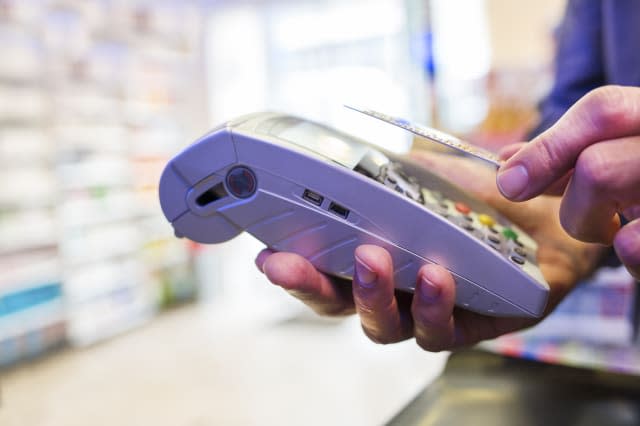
column 463, row 208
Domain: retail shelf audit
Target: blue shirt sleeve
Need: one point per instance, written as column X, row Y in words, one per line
column 578, row 65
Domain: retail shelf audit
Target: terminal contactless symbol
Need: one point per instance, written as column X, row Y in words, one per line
column 241, row 182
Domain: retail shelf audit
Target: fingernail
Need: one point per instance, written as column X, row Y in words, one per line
column 428, row 290
column 261, row 259
column 513, row 181
column 259, row 263
column 366, row 276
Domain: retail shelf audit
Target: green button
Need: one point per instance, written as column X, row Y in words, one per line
column 509, row 234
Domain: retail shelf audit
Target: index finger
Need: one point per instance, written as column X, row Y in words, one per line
column 605, row 113
column 298, row 277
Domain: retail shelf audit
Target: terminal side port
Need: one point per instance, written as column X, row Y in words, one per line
column 338, row 210
column 211, row 195
column 313, row 197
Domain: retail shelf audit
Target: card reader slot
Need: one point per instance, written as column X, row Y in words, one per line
column 212, row 195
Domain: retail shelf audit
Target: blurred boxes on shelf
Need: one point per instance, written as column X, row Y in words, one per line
column 95, row 98
column 593, row 327
column 32, row 316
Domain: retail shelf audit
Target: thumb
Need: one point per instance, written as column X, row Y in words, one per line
column 608, row 112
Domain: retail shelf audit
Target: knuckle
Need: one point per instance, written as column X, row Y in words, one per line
column 376, row 336
column 435, row 338
column 606, row 106
column 370, row 304
column 332, row 309
column 548, row 151
column 595, row 170
column 434, row 318
column 542, row 154
column 364, row 308
column 431, row 345
column 548, row 155
column 312, row 300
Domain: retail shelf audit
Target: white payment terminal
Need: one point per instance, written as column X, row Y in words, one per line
column 303, row 187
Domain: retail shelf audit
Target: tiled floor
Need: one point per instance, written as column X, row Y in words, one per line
column 205, row 365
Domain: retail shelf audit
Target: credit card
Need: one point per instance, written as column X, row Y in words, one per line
column 433, row 135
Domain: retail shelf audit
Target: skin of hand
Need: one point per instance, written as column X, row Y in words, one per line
column 430, row 316
column 592, row 157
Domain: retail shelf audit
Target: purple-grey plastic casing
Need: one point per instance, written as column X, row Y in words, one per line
column 487, row 281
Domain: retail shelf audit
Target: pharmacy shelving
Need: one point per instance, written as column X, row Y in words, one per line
column 118, row 87
column 95, row 99
column 32, row 317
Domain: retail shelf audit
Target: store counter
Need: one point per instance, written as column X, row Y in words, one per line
column 480, row 388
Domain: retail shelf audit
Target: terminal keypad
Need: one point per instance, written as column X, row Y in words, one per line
column 483, row 226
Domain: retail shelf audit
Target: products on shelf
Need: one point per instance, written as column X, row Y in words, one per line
column 32, row 317
column 592, row 327
column 93, row 101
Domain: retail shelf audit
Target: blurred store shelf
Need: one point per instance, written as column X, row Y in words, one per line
column 92, row 104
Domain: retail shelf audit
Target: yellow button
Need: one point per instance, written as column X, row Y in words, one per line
column 486, row 220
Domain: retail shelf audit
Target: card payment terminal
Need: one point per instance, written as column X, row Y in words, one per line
column 303, row 187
